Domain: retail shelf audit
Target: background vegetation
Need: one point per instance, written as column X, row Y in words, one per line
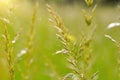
column 47, row 65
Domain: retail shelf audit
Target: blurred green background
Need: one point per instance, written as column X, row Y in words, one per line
column 47, row 65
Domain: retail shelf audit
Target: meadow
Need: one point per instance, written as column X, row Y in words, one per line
column 47, row 65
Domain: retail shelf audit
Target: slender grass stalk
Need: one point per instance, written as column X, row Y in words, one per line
column 8, row 50
column 29, row 44
column 5, row 22
column 27, row 51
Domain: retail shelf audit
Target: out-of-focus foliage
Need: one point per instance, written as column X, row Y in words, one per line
column 104, row 2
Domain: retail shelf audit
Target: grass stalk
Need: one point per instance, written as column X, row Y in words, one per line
column 8, row 50
column 5, row 22
column 29, row 45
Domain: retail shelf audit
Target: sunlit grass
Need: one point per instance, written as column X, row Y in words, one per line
column 46, row 43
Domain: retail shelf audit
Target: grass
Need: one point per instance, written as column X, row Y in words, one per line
column 48, row 66
column 77, row 54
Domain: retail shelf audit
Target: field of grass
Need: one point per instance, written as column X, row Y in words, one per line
column 46, row 65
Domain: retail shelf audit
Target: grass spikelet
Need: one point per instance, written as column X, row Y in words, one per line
column 57, row 20
column 112, row 25
column 89, row 2
column 113, row 40
column 63, row 33
column 88, row 14
column 88, row 17
column 16, row 36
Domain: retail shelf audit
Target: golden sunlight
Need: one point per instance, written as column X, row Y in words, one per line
column 4, row 2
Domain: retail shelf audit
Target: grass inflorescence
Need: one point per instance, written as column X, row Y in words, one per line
column 8, row 50
column 29, row 46
column 8, row 45
column 27, row 51
column 78, row 54
column 13, row 60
